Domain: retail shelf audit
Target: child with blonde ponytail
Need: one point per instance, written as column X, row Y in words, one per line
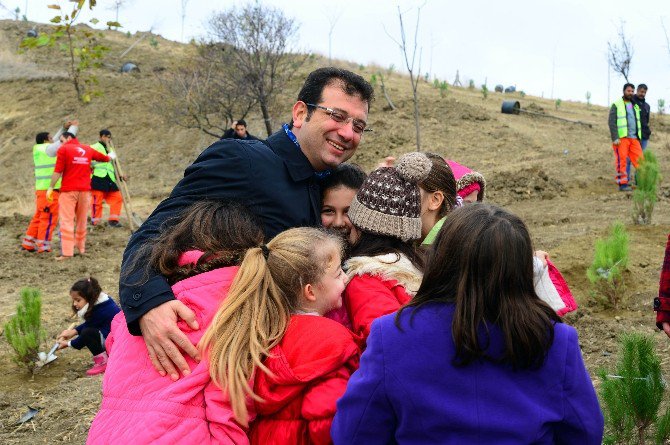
column 271, row 331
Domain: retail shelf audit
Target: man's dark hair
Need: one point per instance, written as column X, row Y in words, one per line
column 350, row 176
column 352, row 84
column 67, row 134
column 42, row 137
column 241, row 122
column 105, row 133
column 628, row 85
column 642, row 86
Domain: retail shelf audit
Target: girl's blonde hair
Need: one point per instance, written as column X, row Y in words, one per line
column 256, row 312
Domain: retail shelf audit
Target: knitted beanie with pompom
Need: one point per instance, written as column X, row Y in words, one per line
column 389, row 201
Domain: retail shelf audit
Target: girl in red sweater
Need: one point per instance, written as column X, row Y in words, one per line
column 270, row 330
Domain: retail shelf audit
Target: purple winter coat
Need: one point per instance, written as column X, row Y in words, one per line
column 408, row 392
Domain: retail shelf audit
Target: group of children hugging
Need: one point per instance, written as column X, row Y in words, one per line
column 411, row 317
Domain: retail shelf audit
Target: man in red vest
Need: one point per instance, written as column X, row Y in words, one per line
column 73, row 164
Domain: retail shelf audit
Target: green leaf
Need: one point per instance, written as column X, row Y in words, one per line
column 56, row 19
column 94, row 21
column 86, row 98
column 53, row 6
column 114, row 24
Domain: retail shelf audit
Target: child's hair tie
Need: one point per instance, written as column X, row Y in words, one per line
column 265, row 250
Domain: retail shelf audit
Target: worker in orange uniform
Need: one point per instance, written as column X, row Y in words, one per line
column 43, row 224
column 73, row 165
column 103, row 185
column 626, row 132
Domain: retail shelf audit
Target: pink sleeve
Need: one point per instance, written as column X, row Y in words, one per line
column 219, row 413
column 563, row 290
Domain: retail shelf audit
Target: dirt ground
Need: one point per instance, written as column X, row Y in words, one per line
column 557, row 176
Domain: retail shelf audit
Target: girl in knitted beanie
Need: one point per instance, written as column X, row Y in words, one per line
column 385, row 268
column 470, row 184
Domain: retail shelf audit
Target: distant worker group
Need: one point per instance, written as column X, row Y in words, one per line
column 70, row 179
column 629, row 129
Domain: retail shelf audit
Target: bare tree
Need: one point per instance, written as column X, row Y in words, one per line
column 410, row 59
column 203, row 94
column 332, row 17
column 258, row 38
column 184, row 6
column 665, row 33
column 621, row 53
column 116, row 6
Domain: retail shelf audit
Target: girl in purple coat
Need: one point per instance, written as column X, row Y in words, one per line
column 475, row 357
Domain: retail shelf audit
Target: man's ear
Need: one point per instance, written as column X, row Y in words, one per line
column 436, row 200
column 308, row 293
column 299, row 113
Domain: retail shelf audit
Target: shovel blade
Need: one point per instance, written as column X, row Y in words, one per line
column 27, row 416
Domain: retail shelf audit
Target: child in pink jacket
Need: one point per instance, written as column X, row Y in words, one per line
column 139, row 406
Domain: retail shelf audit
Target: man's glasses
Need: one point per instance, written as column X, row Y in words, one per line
column 342, row 117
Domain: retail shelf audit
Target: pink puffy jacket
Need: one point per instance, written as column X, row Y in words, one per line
column 140, row 407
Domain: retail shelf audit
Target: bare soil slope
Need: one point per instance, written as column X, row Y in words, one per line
column 557, row 176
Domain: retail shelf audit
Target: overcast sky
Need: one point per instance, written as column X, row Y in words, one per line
column 526, row 43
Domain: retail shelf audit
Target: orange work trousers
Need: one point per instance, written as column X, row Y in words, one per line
column 628, row 148
column 42, row 226
column 73, row 206
column 113, row 199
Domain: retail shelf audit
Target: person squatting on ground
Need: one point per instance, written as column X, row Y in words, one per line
column 199, row 253
column 42, row 225
column 662, row 302
column 278, row 179
column 271, row 330
column 73, row 165
column 476, row 356
column 96, row 309
column 103, row 185
column 626, row 133
column 238, row 130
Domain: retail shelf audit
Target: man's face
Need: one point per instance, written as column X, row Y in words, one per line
column 628, row 93
column 241, row 131
column 641, row 93
column 327, row 143
column 106, row 139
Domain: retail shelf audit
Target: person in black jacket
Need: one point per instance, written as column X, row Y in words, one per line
column 645, row 112
column 277, row 178
column 238, row 130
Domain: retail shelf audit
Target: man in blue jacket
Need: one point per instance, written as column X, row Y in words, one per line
column 278, row 179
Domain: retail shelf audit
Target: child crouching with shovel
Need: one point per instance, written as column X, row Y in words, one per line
column 97, row 310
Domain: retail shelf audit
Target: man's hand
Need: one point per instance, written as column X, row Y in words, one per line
column 616, row 142
column 62, row 344
column 112, row 155
column 233, row 125
column 49, row 195
column 164, row 339
column 666, row 328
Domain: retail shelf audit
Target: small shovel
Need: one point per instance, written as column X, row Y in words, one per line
column 45, row 359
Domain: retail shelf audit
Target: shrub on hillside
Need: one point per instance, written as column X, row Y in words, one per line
column 647, row 178
column 609, row 262
column 24, row 331
column 632, row 393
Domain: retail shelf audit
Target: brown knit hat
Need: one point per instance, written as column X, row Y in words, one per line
column 389, row 202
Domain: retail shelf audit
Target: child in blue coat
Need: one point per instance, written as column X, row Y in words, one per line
column 97, row 310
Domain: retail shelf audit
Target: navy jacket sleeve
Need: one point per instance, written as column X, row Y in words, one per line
column 220, row 172
column 364, row 413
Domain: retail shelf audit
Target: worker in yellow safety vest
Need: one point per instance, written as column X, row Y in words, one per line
column 43, row 223
column 626, row 133
column 103, row 185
